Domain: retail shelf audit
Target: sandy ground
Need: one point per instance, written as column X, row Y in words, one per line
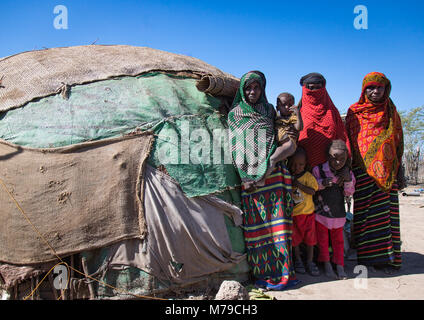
column 408, row 283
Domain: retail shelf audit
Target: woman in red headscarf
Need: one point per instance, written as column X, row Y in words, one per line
column 321, row 120
column 376, row 137
column 322, row 124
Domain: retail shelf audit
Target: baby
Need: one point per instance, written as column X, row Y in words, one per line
column 288, row 124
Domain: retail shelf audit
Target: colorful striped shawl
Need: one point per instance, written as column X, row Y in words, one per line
column 375, row 132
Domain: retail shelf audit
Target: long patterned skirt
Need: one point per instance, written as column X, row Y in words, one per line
column 376, row 225
column 268, row 229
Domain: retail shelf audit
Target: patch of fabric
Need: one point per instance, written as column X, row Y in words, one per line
column 79, row 198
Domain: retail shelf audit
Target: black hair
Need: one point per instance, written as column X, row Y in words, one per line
column 313, row 77
column 339, row 145
column 286, row 94
column 299, row 151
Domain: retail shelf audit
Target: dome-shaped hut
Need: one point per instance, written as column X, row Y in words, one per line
column 114, row 163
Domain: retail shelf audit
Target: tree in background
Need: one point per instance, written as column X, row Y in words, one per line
column 413, row 131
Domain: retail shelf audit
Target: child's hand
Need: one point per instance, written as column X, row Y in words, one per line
column 345, row 174
column 327, row 182
column 340, row 181
column 292, row 133
column 294, row 109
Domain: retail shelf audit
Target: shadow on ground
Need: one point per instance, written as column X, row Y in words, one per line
column 412, row 263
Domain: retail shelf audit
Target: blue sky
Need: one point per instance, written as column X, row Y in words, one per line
column 284, row 39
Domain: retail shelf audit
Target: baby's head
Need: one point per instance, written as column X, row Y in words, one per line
column 297, row 162
column 284, row 101
column 337, row 154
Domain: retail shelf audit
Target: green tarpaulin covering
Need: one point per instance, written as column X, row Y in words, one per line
column 184, row 120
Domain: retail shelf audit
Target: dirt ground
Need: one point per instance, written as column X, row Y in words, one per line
column 407, row 284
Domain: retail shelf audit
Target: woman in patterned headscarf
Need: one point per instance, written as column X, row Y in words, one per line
column 376, row 136
column 267, row 209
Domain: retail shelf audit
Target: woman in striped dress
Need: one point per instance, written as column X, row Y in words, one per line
column 376, row 137
column 268, row 208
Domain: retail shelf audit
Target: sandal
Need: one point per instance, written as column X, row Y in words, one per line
column 280, row 286
column 299, row 267
column 312, row 269
column 341, row 274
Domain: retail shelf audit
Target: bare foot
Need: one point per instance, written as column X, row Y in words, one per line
column 312, row 269
column 299, row 266
column 341, row 274
column 387, row 269
column 329, row 272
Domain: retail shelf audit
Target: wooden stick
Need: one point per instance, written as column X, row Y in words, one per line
column 90, row 284
column 63, row 294
column 37, row 281
column 71, row 292
column 52, row 286
column 32, row 288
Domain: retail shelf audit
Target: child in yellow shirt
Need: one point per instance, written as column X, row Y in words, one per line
column 304, row 187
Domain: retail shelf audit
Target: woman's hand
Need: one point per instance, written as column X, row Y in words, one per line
column 401, row 180
column 272, row 163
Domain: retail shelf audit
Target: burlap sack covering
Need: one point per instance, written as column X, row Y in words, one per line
column 80, row 197
column 218, row 86
column 37, row 74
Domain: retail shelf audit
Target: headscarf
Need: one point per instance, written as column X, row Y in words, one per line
column 251, row 131
column 376, row 135
column 311, row 78
column 260, row 73
column 321, row 121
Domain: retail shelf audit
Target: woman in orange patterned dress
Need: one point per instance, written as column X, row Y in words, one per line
column 375, row 132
